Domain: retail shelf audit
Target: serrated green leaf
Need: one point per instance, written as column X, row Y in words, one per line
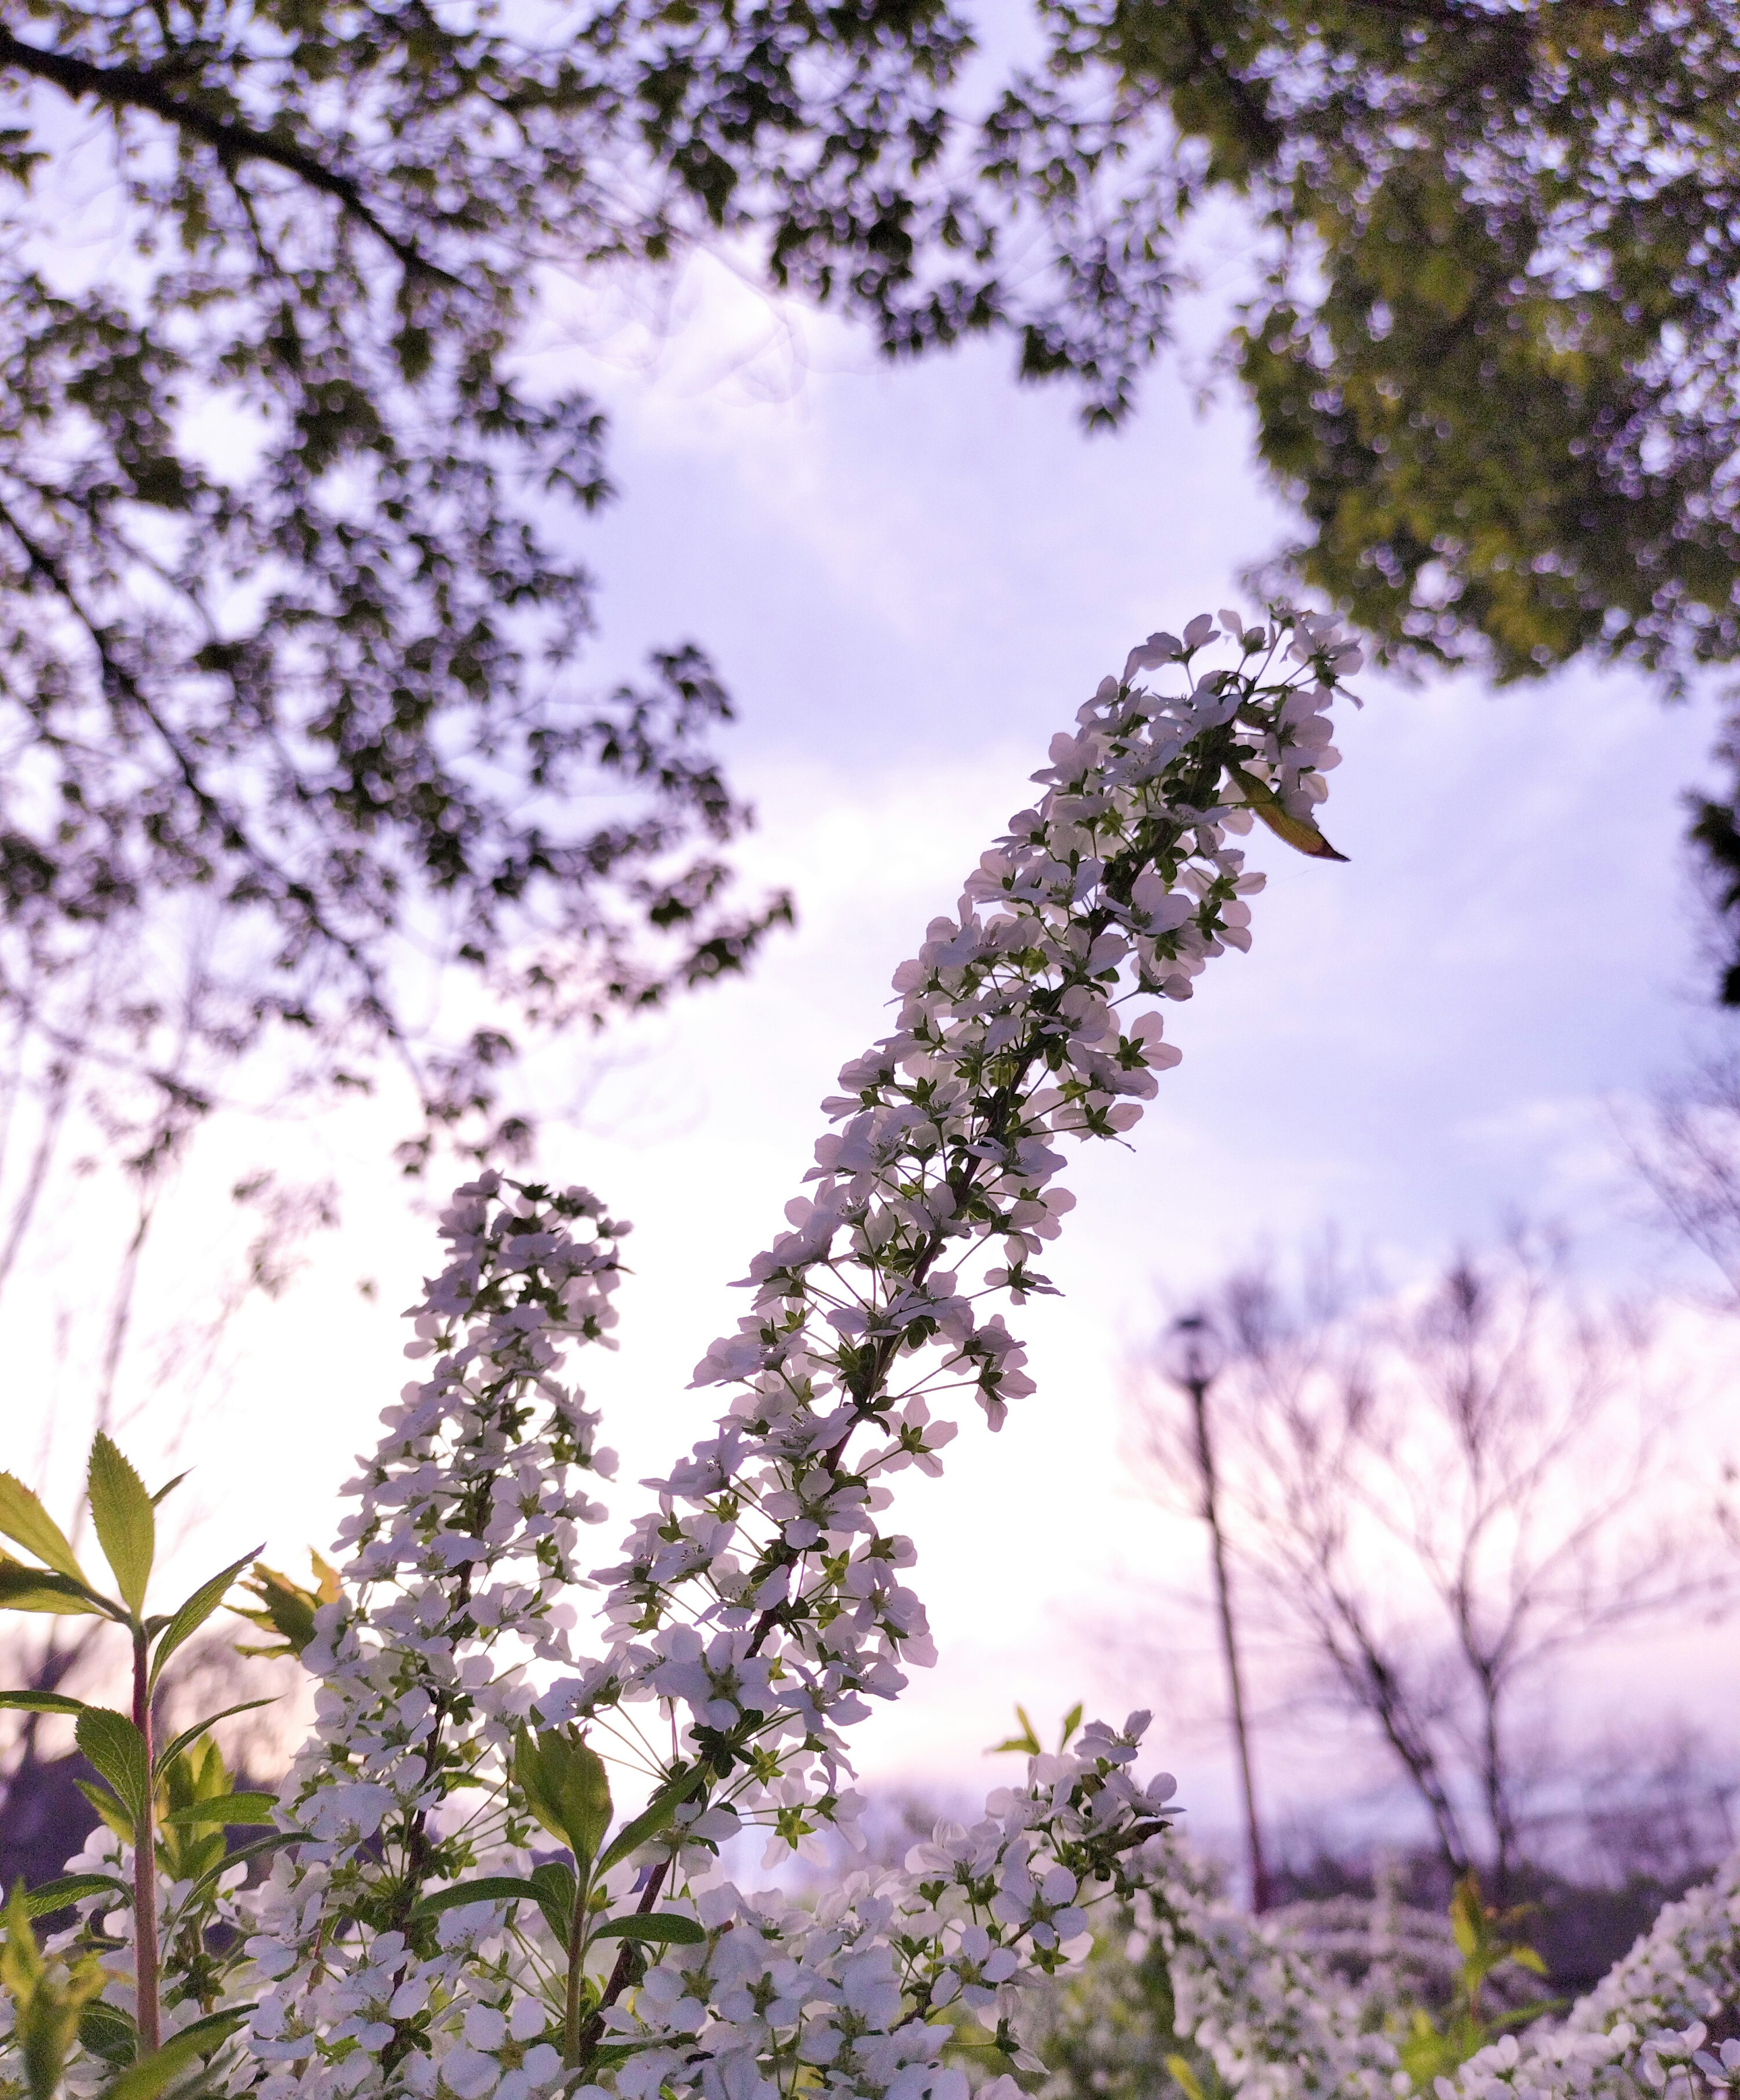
column 41, row 1702
column 23, row 1520
column 189, row 1618
column 68, row 1889
column 663, row 1928
column 126, row 1525
column 118, row 1751
column 106, row 2031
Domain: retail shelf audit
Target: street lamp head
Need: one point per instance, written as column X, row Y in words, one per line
column 1193, row 1353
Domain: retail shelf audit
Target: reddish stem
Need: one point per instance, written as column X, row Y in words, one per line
column 144, row 1869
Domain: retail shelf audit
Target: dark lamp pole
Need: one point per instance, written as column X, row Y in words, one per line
column 1194, row 1358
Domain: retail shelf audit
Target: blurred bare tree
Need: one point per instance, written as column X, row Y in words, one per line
column 1432, row 1505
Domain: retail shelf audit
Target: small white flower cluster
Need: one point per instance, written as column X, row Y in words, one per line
column 457, row 1600
column 761, row 1595
column 1276, row 2022
column 759, row 1606
column 839, row 1998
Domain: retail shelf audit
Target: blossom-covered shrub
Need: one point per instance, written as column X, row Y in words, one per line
column 458, row 1907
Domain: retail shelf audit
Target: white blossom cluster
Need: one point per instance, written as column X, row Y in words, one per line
column 839, row 1998
column 759, row 1606
column 1277, row 2023
column 458, row 1595
column 761, row 1597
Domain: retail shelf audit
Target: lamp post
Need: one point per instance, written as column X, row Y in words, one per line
column 1194, row 1358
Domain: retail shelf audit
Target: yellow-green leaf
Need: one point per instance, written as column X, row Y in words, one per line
column 1185, row 2077
column 26, row 1589
column 1299, row 832
column 126, row 1525
column 24, row 1520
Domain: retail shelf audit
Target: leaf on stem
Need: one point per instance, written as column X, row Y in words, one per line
column 69, row 1889
column 227, row 1808
column 565, row 1785
column 189, row 1616
column 41, row 1702
column 118, row 1751
column 554, row 1884
column 23, row 1520
column 126, row 1525
column 488, row 1888
column 1299, row 832
column 25, row 1589
column 146, row 2079
column 193, row 1734
column 664, row 1928
column 658, row 1815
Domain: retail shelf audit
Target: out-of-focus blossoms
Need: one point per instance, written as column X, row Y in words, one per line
column 417, row 1935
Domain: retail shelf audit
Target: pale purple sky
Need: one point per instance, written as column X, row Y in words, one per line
column 910, row 579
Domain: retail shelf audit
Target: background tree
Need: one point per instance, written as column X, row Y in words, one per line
column 290, row 601
column 1433, row 1509
column 1490, row 328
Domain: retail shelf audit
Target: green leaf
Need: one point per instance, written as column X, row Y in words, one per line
column 41, row 1702
column 658, row 1815
column 167, row 1489
column 489, row 1888
column 25, row 1589
column 1185, row 2077
column 146, row 2079
column 1071, row 1722
column 565, row 1785
column 556, row 1889
column 192, row 1735
column 113, row 1815
column 227, row 1808
column 663, row 1928
column 1026, row 1741
column 69, row 1889
column 118, row 1751
column 125, row 1523
column 192, row 1615
column 106, row 2031
column 1526, row 1957
column 23, row 1520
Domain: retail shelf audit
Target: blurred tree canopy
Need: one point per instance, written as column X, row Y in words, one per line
column 290, row 610
column 289, row 604
column 1492, row 351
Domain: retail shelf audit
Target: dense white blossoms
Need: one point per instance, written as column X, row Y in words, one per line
column 418, row 1936
column 1279, row 2024
column 756, row 1610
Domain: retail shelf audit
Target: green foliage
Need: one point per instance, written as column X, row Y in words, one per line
column 172, row 1804
column 285, row 1608
column 564, row 1785
column 1431, row 2045
column 47, row 2000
